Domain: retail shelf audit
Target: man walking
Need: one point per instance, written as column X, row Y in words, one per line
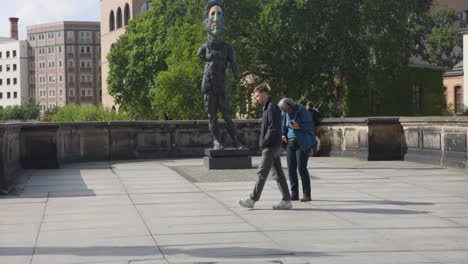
column 270, row 142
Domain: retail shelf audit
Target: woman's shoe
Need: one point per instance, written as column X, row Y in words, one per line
column 306, row 199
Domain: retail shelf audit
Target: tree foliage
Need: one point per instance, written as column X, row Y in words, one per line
column 302, row 48
column 437, row 39
column 77, row 113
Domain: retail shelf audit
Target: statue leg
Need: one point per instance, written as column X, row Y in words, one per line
column 226, row 110
column 211, row 109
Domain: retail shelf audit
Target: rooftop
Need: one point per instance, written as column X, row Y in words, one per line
column 457, row 70
column 175, row 211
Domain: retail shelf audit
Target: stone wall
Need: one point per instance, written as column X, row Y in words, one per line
column 436, row 140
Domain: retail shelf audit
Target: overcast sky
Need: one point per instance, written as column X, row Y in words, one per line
column 33, row 12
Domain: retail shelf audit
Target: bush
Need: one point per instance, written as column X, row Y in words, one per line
column 20, row 112
column 76, row 113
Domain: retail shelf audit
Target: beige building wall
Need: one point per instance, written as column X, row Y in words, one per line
column 459, row 5
column 465, row 64
column 113, row 23
column 65, row 63
column 450, row 83
column 14, row 85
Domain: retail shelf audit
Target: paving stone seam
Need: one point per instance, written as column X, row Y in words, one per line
column 39, row 230
column 226, row 207
column 139, row 213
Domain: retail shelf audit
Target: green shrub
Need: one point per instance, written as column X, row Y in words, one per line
column 20, row 112
column 76, row 113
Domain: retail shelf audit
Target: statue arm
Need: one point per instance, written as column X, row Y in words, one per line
column 232, row 61
column 202, row 52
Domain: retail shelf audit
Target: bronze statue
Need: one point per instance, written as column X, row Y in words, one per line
column 218, row 56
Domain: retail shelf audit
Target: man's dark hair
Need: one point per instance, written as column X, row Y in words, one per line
column 262, row 88
column 212, row 3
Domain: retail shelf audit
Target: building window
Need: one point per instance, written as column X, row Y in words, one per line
column 445, row 98
column 8, row 95
column 8, row 81
column 1, row 81
column 459, row 107
column 15, row 95
column 8, row 54
column 417, row 94
column 119, row 17
column 15, row 81
column 14, row 67
column 145, row 7
column 0, row 68
column 83, row 93
column 1, row 95
column 14, row 54
column 126, row 14
column 8, row 67
column 111, row 21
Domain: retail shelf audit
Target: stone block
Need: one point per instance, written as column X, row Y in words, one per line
column 225, row 163
column 39, row 148
column 227, row 159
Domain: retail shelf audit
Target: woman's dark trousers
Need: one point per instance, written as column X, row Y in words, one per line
column 297, row 160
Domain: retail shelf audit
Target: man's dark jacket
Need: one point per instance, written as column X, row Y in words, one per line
column 270, row 133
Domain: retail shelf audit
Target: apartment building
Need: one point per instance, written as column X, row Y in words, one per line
column 115, row 15
column 65, row 63
column 14, row 84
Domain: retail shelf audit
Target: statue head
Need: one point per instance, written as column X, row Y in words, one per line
column 214, row 18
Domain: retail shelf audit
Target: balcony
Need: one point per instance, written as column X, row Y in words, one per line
column 86, row 69
column 85, row 55
column 86, row 84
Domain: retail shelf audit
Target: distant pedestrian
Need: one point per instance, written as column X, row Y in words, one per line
column 298, row 133
column 316, row 115
column 270, row 142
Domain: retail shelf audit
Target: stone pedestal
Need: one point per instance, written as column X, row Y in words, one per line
column 227, row 159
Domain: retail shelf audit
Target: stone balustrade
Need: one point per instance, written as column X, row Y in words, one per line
column 436, row 140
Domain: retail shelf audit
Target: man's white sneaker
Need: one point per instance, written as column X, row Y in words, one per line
column 283, row 205
column 247, row 203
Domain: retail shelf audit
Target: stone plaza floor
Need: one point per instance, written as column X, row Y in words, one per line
column 176, row 211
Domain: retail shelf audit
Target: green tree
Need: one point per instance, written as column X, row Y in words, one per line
column 300, row 47
column 437, row 38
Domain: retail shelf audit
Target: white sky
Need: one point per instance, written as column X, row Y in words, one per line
column 33, row 12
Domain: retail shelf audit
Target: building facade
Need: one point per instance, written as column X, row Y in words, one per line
column 14, row 86
column 465, row 65
column 65, row 63
column 115, row 15
column 453, row 89
column 454, row 100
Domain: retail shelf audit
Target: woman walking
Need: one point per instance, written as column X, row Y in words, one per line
column 299, row 136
